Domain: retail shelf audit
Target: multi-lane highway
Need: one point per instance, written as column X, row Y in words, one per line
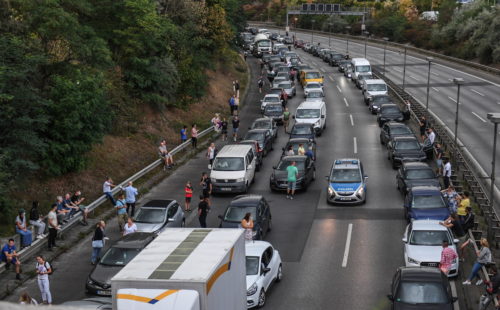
column 334, row 257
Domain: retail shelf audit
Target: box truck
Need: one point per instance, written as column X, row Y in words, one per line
column 185, row 269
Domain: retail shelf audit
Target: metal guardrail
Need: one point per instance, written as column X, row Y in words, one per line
column 399, row 46
column 40, row 243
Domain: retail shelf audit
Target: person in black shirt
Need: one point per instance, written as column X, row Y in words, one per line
column 423, row 124
column 468, row 219
column 36, row 220
column 236, row 125
column 491, row 289
column 203, row 209
column 453, row 223
column 224, row 129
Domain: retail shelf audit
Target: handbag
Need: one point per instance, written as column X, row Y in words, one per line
column 97, row 243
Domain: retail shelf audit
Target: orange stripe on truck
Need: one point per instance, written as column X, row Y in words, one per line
column 220, row 271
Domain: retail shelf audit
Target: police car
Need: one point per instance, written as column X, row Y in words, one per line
column 346, row 182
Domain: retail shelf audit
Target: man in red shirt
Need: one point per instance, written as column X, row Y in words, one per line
column 448, row 255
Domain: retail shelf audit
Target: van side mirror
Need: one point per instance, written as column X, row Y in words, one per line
column 293, row 116
column 171, row 219
column 322, row 116
column 404, row 240
column 390, row 297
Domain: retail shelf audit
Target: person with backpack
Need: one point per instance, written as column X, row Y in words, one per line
column 491, row 288
column 43, row 270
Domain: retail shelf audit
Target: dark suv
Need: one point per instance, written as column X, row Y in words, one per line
column 405, row 148
column 392, row 129
column 115, row 258
column 243, row 204
column 389, row 112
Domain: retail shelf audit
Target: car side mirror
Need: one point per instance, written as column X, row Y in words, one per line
column 249, row 127
column 274, row 167
column 454, row 299
column 456, row 241
column 366, row 178
column 171, row 219
column 390, row 297
column 265, row 270
column 220, row 216
column 327, row 177
column 283, row 149
column 293, row 116
column 404, row 240
column 250, row 167
column 322, row 116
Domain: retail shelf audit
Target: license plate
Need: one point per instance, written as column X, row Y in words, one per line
column 103, row 292
column 225, row 189
column 345, row 198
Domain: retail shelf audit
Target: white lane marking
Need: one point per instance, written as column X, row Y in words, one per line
column 352, row 120
column 498, row 102
column 322, row 70
column 340, row 90
column 396, row 69
column 480, row 94
column 454, row 294
column 314, row 63
column 451, row 80
column 435, row 89
column 482, row 119
column 452, row 99
column 434, row 73
column 347, row 246
column 355, row 145
column 416, row 79
column 331, row 79
column 346, row 103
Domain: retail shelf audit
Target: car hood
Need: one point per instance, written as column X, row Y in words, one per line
column 283, row 175
column 229, row 175
column 312, row 89
column 345, row 187
column 431, row 214
column 273, row 114
column 409, row 153
column 400, row 306
column 374, row 93
column 148, row 227
column 227, row 224
column 391, row 115
column 306, row 120
column 307, row 136
column 102, row 274
column 426, row 182
column 251, row 280
column 423, row 253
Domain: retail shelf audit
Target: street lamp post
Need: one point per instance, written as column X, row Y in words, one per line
column 329, row 34
column 295, row 19
column 366, row 40
column 458, row 82
column 429, row 59
column 404, row 68
column 312, row 31
column 385, row 48
column 495, row 119
column 347, row 40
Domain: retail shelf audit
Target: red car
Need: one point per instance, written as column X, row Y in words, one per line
column 298, row 44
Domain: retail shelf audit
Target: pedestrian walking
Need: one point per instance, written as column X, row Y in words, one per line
column 206, row 186
column 423, row 124
column 286, row 119
column 184, row 134
column 237, row 89
column 247, row 225
column 130, row 198
column 194, row 136
column 407, row 110
column 188, row 194
column 231, row 104
column 245, row 54
column 310, row 153
column 293, row 174
column 10, row 257
column 211, row 153
column 22, row 229
column 483, row 258
column 36, row 220
column 431, row 135
column 260, row 83
column 439, row 158
column 130, row 227
column 43, row 270
column 26, row 299
column 446, row 173
column 448, row 255
column 224, row 129
column 491, row 289
column 236, row 105
column 106, row 189
column 236, row 125
column 97, row 242
column 203, row 209
column 53, row 226
column 121, row 211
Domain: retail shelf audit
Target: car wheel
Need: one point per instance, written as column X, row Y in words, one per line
column 264, row 152
column 183, row 224
column 270, row 226
column 394, row 165
column 314, row 175
column 279, row 275
column 262, row 298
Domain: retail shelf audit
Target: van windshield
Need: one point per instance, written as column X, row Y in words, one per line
column 228, row 164
column 376, row 87
column 313, row 75
column 265, row 43
column 307, row 113
column 365, row 68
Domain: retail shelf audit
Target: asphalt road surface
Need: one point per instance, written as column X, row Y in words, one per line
column 479, row 95
column 325, row 266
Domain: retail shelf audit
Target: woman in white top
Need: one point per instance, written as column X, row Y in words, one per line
column 211, row 153
column 129, row 227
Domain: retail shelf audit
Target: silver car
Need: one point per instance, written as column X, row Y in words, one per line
column 315, row 95
column 279, row 80
column 265, row 123
column 289, row 88
column 156, row 215
column 312, row 86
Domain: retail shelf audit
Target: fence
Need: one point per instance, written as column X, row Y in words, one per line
column 40, row 243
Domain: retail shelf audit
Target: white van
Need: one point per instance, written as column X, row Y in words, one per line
column 360, row 65
column 233, row 169
column 374, row 87
column 312, row 112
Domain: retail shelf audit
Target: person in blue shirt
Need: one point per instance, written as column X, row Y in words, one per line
column 10, row 256
column 309, row 153
column 130, row 193
column 22, row 229
column 184, row 134
column 121, row 210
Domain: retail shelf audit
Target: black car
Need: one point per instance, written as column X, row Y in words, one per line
column 265, row 123
column 405, row 148
column 343, row 64
column 377, row 101
column 393, row 129
column 389, row 112
column 415, row 174
column 274, row 111
column 305, row 166
column 294, row 143
column 362, row 77
column 335, row 58
column 303, row 131
column 243, row 204
column 262, row 136
column 274, row 36
column 115, row 258
column 257, row 151
column 423, row 288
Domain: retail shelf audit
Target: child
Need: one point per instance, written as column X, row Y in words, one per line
column 188, row 190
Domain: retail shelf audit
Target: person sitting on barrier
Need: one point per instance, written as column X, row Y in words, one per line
column 468, row 219
column 165, row 154
column 483, row 258
column 77, row 200
column 68, row 205
column 62, row 212
column 22, row 229
column 36, row 220
column 491, row 289
column 9, row 256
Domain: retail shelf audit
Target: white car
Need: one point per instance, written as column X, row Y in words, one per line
column 263, row 264
column 269, row 98
column 312, row 86
column 423, row 244
column 315, row 95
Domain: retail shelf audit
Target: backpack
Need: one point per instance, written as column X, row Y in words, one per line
column 47, row 266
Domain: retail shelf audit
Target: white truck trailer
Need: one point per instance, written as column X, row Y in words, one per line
column 185, row 269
